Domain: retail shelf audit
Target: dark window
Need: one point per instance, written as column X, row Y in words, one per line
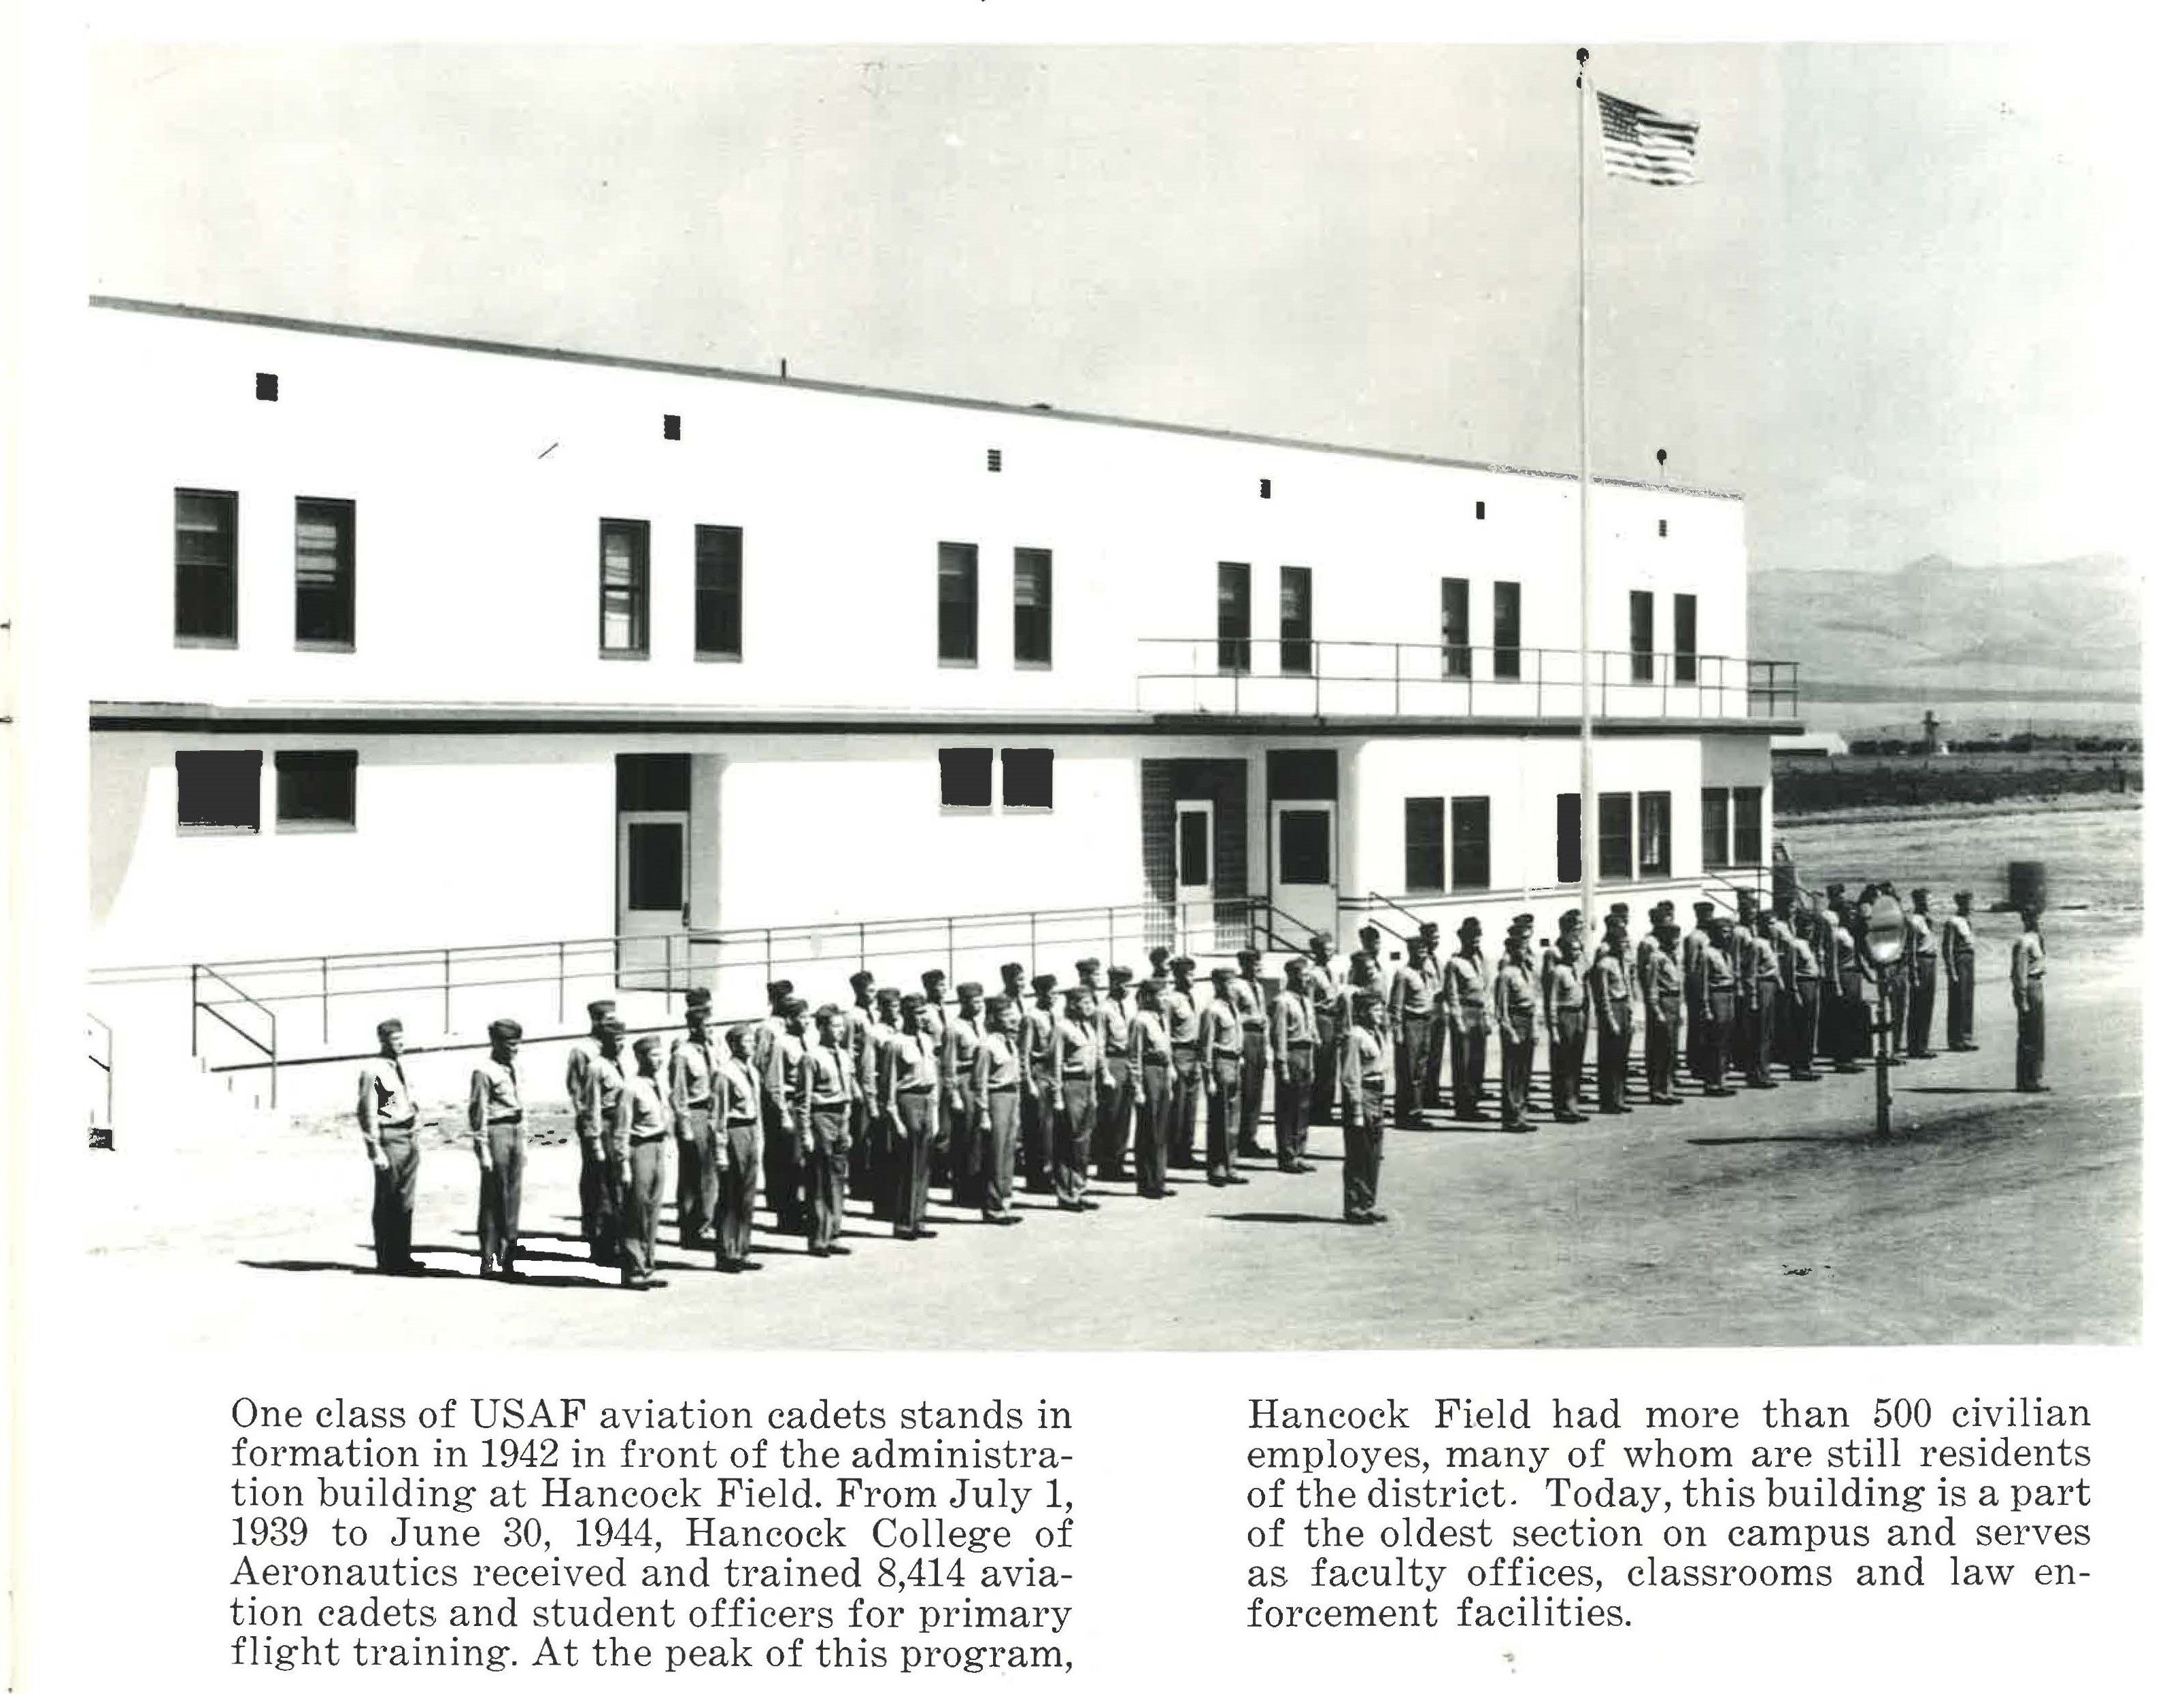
column 1470, row 864
column 1641, row 635
column 1479, row 508
column 315, row 790
column 655, row 866
column 1305, row 848
column 1688, row 637
column 1665, row 529
column 1455, row 627
column 217, row 791
column 1653, row 834
column 1301, row 773
column 1231, row 616
column 325, row 573
column 1425, row 847
column 958, row 602
column 1508, row 631
column 269, row 385
column 204, row 566
column 625, row 586
column 966, row 778
column 1266, row 488
column 1034, row 606
column 1748, row 813
column 719, row 576
column 1028, row 778
column 1569, row 838
column 1296, row 620
column 652, row 781
column 670, row 426
column 1193, row 848
column 1713, row 828
column 1614, row 861
column 993, row 458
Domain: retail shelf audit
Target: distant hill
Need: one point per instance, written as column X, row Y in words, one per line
column 1936, row 629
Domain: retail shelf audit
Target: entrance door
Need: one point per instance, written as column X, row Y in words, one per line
column 653, row 899
column 1194, row 877
column 1303, row 861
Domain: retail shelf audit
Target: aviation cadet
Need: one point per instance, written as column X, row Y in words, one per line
column 1295, row 1040
column 1611, row 1005
column 1364, row 1089
column 906, row 1081
column 635, row 1145
column 1118, row 1094
column 1248, row 993
column 2028, row 992
column 858, row 1021
column 1410, row 1029
column 1220, row 1063
column 940, row 1153
column 1695, row 1012
column 1959, row 969
column 735, row 1153
column 690, row 1107
column 1718, row 969
column 1368, row 944
column 1074, row 1085
column 1662, row 983
column 1148, row 1066
column 825, row 1087
column 1515, row 1001
column 780, row 1065
column 1429, row 967
column 606, row 1075
column 387, row 1113
column 1801, row 967
column 1041, row 1098
column 1762, row 989
column 1467, row 991
column 1181, row 1006
column 1561, row 999
column 880, row 1151
column 600, row 1218
column 1741, row 955
column 496, row 1118
column 958, row 1057
column 1320, row 990
column 1088, row 976
column 1924, row 953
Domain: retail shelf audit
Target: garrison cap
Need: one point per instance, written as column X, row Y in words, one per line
column 1010, row 971
column 1119, row 974
column 829, row 1010
column 1571, row 919
column 1087, row 967
column 646, row 1044
column 862, row 979
column 1363, row 998
column 1522, row 920
column 389, row 1025
column 1183, row 966
column 1158, row 953
column 1471, row 925
column 967, row 992
column 1293, row 967
column 1148, row 992
column 695, row 998
column 599, row 1009
column 508, row 1029
column 1363, row 956
column 1042, row 982
column 739, row 1030
column 781, row 989
column 1430, row 928
column 1079, row 990
column 913, row 1001
column 1700, row 908
column 996, row 1004
column 1415, row 944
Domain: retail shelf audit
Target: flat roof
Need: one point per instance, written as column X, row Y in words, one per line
column 720, row 374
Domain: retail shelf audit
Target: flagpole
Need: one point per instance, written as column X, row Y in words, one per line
column 1587, row 823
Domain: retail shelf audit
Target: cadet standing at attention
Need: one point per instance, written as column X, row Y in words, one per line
column 606, row 1074
column 1611, row 1008
column 1221, row 1061
column 1041, row 1097
column 880, row 1150
column 1148, row 1084
column 1468, row 990
column 387, row 1113
column 996, row 1098
column 600, row 1219
column 1762, row 987
column 909, row 1075
column 1662, row 983
column 1364, row 1109
column 1249, row 992
column 497, row 1137
column 1075, row 1084
column 1960, row 969
column 824, row 1089
column 1718, row 966
column 1429, row 967
column 1181, row 1006
column 1320, row 990
column 735, row 1154
column 637, row 1147
column 958, row 1055
column 858, row 1020
column 1801, row 967
column 1294, row 1038
column 1924, row 950
column 1410, row 1029
column 1695, row 1008
column 690, row 1105
column 933, row 1018
column 1117, row 1095
column 1514, row 1003
column 1368, row 944
column 781, row 1064
column 1562, row 999
column 2028, row 992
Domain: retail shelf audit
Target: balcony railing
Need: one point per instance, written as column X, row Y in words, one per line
column 1277, row 677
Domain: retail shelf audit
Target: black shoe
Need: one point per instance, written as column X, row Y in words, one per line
column 1376, row 1217
column 1088, row 1206
column 1357, row 1218
column 1719, row 1093
column 1240, row 1182
column 731, row 1266
column 837, row 1250
column 1004, row 1217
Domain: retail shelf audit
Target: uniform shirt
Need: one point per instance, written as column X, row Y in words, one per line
column 1514, row 996
column 1114, row 1022
column 784, row 1060
column 576, row 1076
column 2028, row 969
column 934, row 1020
column 1923, row 943
column 640, row 1117
column 1561, row 991
column 1430, row 968
column 1849, row 977
column 858, row 1041
column 1611, row 987
column 1182, row 1015
column 1076, row 1054
column 495, row 1096
column 1407, row 994
column 995, row 1067
column 959, row 1051
column 1320, row 988
column 764, row 1038
column 604, row 1081
column 1037, row 1047
column 1364, row 1063
column 1663, row 984
column 1251, row 1009
column 1292, row 1023
column 1957, row 950
column 1466, row 983
column 1717, row 971
column 1148, row 1044
column 1642, row 954
column 907, row 1062
column 1803, row 965
column 1220, row 1033
column 822, row 1081
column 689, row 1082
column 382, row 1098
column 735, row 1090
column 1695, row 946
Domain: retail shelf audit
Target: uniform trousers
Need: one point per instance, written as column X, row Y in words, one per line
column 1695, row 1031
column 1073, row 1138
column 2032, row 1035
column 827, row 1174
column 1362, row 1120
column 735, row 1190
column 1436, row 1051
column 598, row 1203
column 1960, row 1006
column 1468, row 1039
column 697, row 1177
column 1152, row 1130
column 1517, row 1045
column 640, row 1207
column 1251, row 1092
column 1920, row 1032
column 1183, row 1081
column 1002, row 1105
column 862, row 1159
column 1036, row 1115
column 784, row 1165
column 1565, row 1058
column 1292, row 1105
column 500, row 1196
column 1661, row 1027
column 1326, row 1059
column 1760, row 1035
column 1899, row 1002
column 879, row 1155
column 1414, row 1042
column 967, row 1158
column 394, row 1196
column 940, row 1151
column 911, row 1145
column 1113, row 1144
column 1721, row 1025
column 1612, row 1080
column 1224, row 1094
column 1805, row 1025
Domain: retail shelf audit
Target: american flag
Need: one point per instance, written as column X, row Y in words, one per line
column 1646, row 146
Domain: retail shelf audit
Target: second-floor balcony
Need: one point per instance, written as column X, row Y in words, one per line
column 1277, row 677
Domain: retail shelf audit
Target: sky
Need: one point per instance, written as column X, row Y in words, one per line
column 1889, row 314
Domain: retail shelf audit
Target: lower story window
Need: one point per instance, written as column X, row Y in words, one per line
column 1470, row 864
column 966, row 778
column 1425, row 856
column 1653, row 834
column 217, row 793
column 315, row 790
column 1749, row 812
column 1713, row 828
column 1614, row 861
column 1569, row 838
column 1028, row 778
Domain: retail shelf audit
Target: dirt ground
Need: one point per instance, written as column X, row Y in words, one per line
column 1778, row 1218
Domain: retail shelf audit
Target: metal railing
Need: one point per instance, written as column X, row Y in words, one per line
column 270, row 1046
column 1312, row 678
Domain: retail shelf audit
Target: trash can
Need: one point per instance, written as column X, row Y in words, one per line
column 2028, row 883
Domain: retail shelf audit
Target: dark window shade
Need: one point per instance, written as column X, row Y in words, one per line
column 1455, row 627
column 1653, row 834
column 1508, row 631
column 655, row 866
column 625, row 585
column 204, row 564
column 718, row 578
column 1425, row 847
column 1747, row 814
column 1614, row 860
column 1027, row 777
column 1569, row 838
column 1034, row 606
column 959, row 602
column 314, row 787
column 652, row 781
column 1301, row 773
column 218, row 790
column 966, row 777
column 1297, row 619
column 1641, row 636
column 1305, row 849
column 1688, row 637
column 1470, row 862
column 1713, row 828
column 1231, row 616
column 1193, row 850
column 325, row 572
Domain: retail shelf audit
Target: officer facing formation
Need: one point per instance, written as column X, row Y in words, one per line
column 386, row 1114
column 496, row 1119
column 1364, row 1092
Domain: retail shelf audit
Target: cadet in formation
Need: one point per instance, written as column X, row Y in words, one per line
column 2028, row 992
column 387, row 1113
column 496, row 1118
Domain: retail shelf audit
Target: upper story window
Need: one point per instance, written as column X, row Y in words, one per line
column 326, row 574
column 216, row 794
column 1455, row 627
column 718, row 575
column 625, row 588
column 1231, row 616
column 1296, row 620
column 1508, row 631
column 1688, row 637
column 204, row 568
column 958, row 602
column 1035, row 608
column 1641, row 635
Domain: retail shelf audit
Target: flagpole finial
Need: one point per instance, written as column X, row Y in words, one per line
column 1583, row 54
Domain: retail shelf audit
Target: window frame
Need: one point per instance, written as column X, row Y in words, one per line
column 1296, row 653
column 1656, row 803
column 295, row 760
column 639, row 587
column 1041, row 559
column 1458, row 836
column 344, row 511
column 1456, row 657
column 1019, row 762
column 964, row 555
column 1429, row 810
column 230, row 568
column 1615, row 847
column 1509, row 654
column 731, row 594
column 964, row 756
column 1232, row 612
column 256, row 760
column 1641, row 636
column 1569, row 853
column 1741, row 800
column 1684, row 610
column 1710, row 859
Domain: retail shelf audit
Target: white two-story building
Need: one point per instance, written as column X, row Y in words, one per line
column 423, row 659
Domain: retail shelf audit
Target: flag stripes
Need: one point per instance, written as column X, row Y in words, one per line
column 1646, row 146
